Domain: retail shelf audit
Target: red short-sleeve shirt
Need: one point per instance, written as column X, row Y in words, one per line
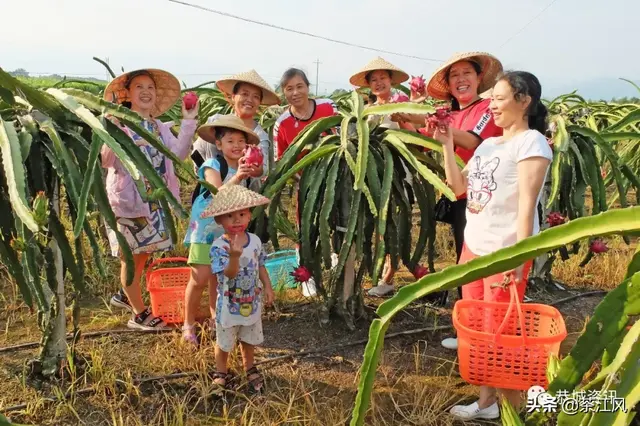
column 476, row 119
column 287, row 126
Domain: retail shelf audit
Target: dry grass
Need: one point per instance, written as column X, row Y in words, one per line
column 605, row 271
column 416, row 384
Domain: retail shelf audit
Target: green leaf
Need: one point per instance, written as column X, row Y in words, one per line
column 14, row 173
column 383, row 208
column 327, row 208
column 630, row 119
column 609, row 319
column 35, row 97
column 363, row 153
column 634, row 265
column 86, row 116
column 417, row 139
column 96, row 145
column 616, row 221
column 424, row 171
column 609, row 153
column 508, row 414
column 399, row 108
column 367, row 371
column 315, row 155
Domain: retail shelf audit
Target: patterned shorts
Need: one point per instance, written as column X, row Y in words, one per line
column 250, row 334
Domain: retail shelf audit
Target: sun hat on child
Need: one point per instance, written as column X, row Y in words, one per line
column 398, row 76
column 269, row 96
column 208, row 131
column 232, row 198
column 167, row 89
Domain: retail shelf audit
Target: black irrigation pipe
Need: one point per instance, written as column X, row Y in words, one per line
column 92, row 335
column 96, row 334
column 178, row 376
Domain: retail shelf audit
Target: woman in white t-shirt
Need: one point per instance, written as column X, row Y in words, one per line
column 503, row 182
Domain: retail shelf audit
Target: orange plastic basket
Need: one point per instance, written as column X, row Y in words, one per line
column 503, row 347
column 166, row 287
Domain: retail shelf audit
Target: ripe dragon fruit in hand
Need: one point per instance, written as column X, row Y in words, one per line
column 301, row 274
column 441, row 119
column 417, row 84
column 420, row 271
column 253, row 156
column 555, row 219
column 189, row 100
column 598, row 246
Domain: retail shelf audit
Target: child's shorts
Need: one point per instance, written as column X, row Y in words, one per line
column 250, row 334
column 199, row 254
column 482, row 290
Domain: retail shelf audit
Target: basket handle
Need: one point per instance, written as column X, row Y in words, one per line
column 164, row 260
column 514, row 301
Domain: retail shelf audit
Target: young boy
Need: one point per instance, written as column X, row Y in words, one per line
column 231, row 138
column 237, row 264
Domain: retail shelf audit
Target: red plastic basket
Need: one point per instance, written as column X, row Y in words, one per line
column 166, row 287
column 503, row 347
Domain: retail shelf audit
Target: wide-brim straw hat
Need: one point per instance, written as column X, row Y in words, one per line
column 397, row 75
column 269, row 96
column 232, row 198
column 490, row 66
column 167, row 89
column 231, row 121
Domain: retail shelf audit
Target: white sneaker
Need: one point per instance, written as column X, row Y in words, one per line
column 382, row 289
column 450, row 343
column 309, row 288
column 473, row 411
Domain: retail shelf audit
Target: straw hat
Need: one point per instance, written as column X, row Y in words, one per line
column 438, row 88
column 232, row 198
column 231, row 121
column 269, row 97
column 397, row 75
column 167, row 89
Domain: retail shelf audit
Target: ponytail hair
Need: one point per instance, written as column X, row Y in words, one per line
column 525, row 84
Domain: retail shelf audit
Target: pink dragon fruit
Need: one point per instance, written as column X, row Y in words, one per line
column 417, row 84
column 189, row 100
column 420, row 271
column 301, row 274
column 442, row 117
column 253, row 156
column 598, row 246
column 555, row 219
column 399, row 97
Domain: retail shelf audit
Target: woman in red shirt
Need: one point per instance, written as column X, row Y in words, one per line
column 302, row 111
column 461, row 80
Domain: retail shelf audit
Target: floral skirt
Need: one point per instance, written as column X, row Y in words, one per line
column 143, row 234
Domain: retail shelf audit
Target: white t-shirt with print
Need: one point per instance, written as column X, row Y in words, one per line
column 492, row 190
column 239, row 299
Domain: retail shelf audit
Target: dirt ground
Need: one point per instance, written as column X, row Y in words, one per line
column 417, row 378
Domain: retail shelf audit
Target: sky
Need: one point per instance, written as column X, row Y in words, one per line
column 571, row 43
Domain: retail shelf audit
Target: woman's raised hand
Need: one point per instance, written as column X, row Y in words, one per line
column 190, row 114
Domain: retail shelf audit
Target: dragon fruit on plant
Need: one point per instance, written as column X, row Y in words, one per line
column 555, row 219
column 190, row 100
column 420, row 271
column 598, row 246
column 253, row 156
column 301, row 274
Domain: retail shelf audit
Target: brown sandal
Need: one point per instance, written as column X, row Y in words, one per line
column 255, row 381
